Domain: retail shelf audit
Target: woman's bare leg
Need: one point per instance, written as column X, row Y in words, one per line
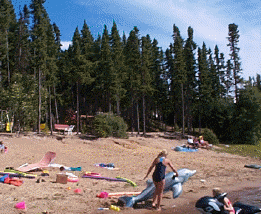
column 155, row 194
column 160, row 188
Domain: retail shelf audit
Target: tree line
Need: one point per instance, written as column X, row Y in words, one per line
column 186, row 85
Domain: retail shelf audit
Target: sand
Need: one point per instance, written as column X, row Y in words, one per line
column 132, row 156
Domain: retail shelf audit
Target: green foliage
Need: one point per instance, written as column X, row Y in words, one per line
column 247, row 117
column 243, row 150
column 107, row 125
column 210, row 137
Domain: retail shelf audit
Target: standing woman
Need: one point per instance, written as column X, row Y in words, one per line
column 160, row 163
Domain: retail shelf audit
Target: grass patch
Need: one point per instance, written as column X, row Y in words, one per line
column 253, row 151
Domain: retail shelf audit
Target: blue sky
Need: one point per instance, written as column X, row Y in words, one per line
column 208, row 18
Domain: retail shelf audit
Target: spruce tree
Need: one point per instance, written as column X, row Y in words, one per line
column 133, row 63
column 104, row 79
column 7, row 40
column 118, row 69
column 39, row 47
column 80, row 72
column 205, row 87
column 146, row 73
column 180, row 75
column 233, row 38
column 191, row 84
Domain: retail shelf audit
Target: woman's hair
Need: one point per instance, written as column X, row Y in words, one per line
column 163, row 153
column 217, row 191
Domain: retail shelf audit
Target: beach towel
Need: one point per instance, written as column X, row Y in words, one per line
column 15, row 182
column 44, row 163
column 183, row 149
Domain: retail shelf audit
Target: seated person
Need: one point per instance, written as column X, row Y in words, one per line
column 202, row 143
column 194, row 143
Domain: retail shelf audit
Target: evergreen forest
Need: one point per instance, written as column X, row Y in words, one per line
column 188, row 85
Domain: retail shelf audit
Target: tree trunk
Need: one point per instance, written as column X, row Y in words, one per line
column 78, row 119
column 39, row 100
column 132, row 115
column 56, row 108
column 7, row 58
column 118, row 105
column 138, row 118
column 50, row 111
column 144, row 115
column 183, row 110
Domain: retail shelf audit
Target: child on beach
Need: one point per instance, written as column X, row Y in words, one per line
column 160, row 163
column 3, row 148
column 229, row 209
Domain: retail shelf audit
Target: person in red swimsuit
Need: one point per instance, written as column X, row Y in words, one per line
column 228, row 207
column 160, row 163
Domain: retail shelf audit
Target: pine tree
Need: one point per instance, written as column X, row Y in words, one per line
column 7, row 39
column 133, row 63
column 158, row 99
column 220, row 70
column 105, row 72
column 228, row 82
column 80, row 70
column 146, row 67
column 190, row 86
column 87, row 42
column 118, row 69
column 39, row 47
column 59, row 64
column 180, row 75
column 205, row 87
column 233, row 39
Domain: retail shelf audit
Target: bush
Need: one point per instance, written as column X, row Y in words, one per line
column 106, row 125
column 210, row 137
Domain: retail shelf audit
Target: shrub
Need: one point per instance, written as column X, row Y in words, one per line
column 106, row 125
column 210, row 137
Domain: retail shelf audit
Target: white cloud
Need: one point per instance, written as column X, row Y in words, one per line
column 65, row 44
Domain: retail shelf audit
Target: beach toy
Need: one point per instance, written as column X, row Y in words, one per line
column 21, row 205
column 75, row 168
column 77, row 190
column 45, row 173
column 103, row 195
column 103, row 208
column 92, row 174
column 72, row 179
column 104, row 178
column 128, row 181
column 112, row 207
column 118, row 194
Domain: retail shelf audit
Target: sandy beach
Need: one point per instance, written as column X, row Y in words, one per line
column 132, row 156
